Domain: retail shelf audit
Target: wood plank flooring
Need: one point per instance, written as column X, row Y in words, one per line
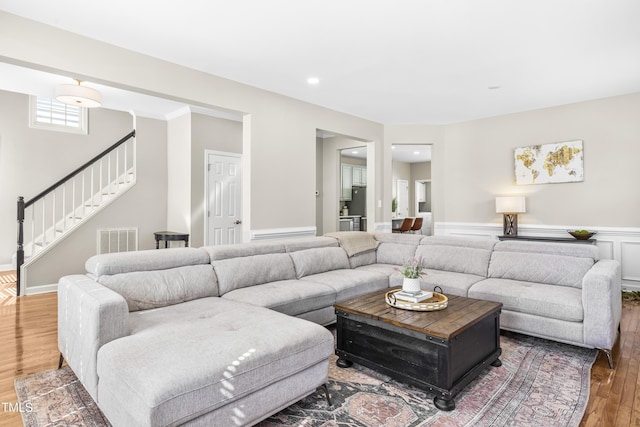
column 28, row 344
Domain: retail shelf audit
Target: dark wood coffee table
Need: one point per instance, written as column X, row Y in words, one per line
column 438, row 351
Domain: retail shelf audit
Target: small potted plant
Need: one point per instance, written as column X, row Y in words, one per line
column 412, row 272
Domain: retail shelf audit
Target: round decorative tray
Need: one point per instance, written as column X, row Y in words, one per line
column 437, row 302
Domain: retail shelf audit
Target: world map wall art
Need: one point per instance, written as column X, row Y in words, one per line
column 549, row 163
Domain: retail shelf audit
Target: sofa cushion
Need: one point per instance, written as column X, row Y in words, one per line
column 579, row 250
column 450, row 282
column 144, row 290
column 220, row 252
column 292, row 245
column 366, row 258
column 188, row 359
column 319, row 260
column 396, row 250
column 557, row 302
column 292, row 297
column 384, row 269
column 351, row 283
column 244, row 271
column 148, row 260
column 456, row 254
column 537, row 262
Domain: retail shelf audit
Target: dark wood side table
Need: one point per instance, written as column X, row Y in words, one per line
column 549, row 239
column 170, row 236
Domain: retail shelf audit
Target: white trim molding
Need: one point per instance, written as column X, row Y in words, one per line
column 619, row 243
column 281, row 233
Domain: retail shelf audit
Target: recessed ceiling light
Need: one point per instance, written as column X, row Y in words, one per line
column 313, row 80
column 354, row 152
column 416, row 152
column 393, row 147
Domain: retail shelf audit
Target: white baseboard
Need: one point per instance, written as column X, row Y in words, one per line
column 7, row 267
column 42, row 289
column 619, row 243
column 281, row 233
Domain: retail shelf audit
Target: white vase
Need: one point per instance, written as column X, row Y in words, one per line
column 411, row 285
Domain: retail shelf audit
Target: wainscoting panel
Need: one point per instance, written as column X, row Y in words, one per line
column 630, row 255
column 281, row 233
column 619, row 243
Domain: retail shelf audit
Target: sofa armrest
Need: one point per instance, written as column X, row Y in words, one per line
column 602, row 303
column 89, row 316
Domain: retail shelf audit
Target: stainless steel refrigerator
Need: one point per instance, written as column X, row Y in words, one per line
column 358, row 205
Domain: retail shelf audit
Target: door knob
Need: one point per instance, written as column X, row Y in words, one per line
column 236, row 222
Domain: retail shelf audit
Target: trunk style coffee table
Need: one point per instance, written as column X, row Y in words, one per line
column 437, row 351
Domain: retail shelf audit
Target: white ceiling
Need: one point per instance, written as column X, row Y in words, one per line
column 402, row 61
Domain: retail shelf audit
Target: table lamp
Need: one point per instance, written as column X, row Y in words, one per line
column 510, row 207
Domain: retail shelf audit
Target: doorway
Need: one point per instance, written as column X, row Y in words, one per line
column 223, row 193
column 411, row 168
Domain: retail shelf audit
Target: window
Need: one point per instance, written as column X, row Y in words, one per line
column 47, row 113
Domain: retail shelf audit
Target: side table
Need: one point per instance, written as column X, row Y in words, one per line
column 170, row 236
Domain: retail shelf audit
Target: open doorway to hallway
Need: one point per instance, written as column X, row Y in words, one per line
column 411, row 176
column 344, row 192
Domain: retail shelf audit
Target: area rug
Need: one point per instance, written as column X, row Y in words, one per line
column 540, row 383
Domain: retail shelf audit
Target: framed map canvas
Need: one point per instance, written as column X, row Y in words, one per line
column 549, row 163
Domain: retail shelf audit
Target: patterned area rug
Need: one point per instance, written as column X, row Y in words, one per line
column 540, row 383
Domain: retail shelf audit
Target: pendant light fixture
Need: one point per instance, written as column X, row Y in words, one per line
column 80, row 96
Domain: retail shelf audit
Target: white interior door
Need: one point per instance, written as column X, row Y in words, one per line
column 402, row 194
column 224, row 196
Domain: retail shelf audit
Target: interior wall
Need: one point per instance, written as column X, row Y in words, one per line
column 207, row 133
column 480, row 165
column 144, row 206
column 33, row 159
column 319, row 189
column 179, row 174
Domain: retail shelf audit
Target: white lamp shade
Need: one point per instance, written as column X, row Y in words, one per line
column 80, row 96
column 511, row 204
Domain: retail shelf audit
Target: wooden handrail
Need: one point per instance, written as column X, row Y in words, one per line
column 80, row 169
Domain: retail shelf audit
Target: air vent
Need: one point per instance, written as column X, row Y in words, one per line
column 117, row 240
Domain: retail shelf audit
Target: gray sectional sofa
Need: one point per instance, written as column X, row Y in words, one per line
column 229, row 335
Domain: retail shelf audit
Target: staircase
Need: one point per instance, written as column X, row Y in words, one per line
column 54, row 213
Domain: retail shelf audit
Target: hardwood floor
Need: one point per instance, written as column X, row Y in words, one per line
column 28, row 340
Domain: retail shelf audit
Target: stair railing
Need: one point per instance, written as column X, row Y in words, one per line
column 49, row 216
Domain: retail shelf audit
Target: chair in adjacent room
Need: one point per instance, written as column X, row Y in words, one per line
column 404, row 227
column 417, row 225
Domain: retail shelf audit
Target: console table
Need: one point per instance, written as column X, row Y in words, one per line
column 549, row 239
column 170, row 236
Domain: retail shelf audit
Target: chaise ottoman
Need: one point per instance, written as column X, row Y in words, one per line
column 209, row 362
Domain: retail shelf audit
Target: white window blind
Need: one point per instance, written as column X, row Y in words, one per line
column 48, row 113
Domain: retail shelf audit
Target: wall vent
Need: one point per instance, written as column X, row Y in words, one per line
column 117, row 240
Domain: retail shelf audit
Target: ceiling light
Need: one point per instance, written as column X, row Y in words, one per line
column 80, row 96
column 416, row 152
column 313, row 80
column 354, row 152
